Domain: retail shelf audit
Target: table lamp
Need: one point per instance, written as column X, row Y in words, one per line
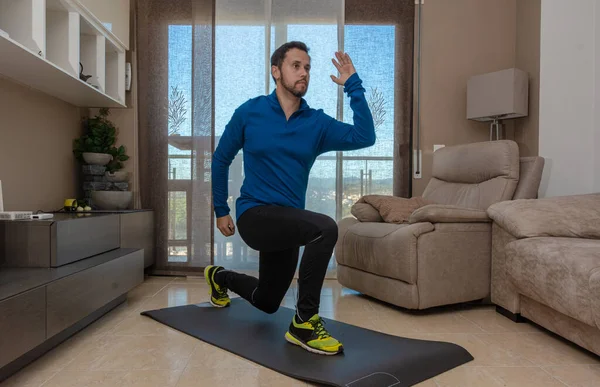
column 496, row 96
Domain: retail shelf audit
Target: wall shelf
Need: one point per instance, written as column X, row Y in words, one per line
column 46, row 41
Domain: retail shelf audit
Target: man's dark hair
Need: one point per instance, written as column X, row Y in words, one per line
column 279, row 54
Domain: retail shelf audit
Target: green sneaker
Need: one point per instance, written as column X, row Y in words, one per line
column 218, row 294
column 312, row 336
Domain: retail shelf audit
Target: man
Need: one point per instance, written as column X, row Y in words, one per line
column 281, row 137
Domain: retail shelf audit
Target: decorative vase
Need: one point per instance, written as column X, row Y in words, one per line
column 96, row 158
column 112, row 200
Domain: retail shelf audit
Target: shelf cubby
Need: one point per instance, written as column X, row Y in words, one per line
column 115, row 71
column 23, row 21
column 62, row 29
column 92, row 55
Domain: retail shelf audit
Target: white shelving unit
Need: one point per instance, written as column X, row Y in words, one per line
column 50, row 40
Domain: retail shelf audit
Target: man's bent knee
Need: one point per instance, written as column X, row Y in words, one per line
column 268, row 308
column 329, row 230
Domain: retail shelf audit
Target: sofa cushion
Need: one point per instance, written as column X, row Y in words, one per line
column 573, row 216
column 365, row 212
column 556, row 272
column 385, row 249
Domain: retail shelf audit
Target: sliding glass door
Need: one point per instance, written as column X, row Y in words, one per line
column 337, row 179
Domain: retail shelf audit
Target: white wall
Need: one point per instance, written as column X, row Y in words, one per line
column 569, row 108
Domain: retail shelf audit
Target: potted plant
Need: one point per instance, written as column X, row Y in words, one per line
column 105, row 185
column 97, row 145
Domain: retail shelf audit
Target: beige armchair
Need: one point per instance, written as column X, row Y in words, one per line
column 443, row 255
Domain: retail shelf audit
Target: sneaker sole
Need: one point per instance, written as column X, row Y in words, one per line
column 210, row 289
column 217, row 305
column 293, row 340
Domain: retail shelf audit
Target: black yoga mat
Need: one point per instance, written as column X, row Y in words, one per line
column 370, row 358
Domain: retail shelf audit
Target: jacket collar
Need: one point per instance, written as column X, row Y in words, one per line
column 274, row 102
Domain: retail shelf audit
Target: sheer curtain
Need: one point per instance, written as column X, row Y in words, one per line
column 379, row 34
column 241, row 45
column 175, row 56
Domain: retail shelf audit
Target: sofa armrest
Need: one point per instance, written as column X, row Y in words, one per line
column 439, row 213
column 574, row 216
column 345, row 223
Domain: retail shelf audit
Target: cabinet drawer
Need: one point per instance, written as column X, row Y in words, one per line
column 72, row 298
column 22, row 324
column 57, row 242
column 84, row 237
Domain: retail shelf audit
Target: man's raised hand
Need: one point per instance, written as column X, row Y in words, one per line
column 344, row 67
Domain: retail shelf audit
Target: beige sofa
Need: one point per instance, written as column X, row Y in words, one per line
column 546, row 264
column 443, row 255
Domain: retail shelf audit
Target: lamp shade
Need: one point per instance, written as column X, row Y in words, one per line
column 501, row 94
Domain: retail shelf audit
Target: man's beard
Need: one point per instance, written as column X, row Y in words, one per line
column 291, row 89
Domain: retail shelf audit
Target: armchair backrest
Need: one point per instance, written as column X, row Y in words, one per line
column 474, row 175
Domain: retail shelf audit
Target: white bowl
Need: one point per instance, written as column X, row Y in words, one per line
column 97, row 158
column 111, row 200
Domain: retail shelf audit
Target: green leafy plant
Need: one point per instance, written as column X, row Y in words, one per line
column 119, row 156
column 100, row 137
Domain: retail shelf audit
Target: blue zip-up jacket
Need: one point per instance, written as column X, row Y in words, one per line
column 279, row 153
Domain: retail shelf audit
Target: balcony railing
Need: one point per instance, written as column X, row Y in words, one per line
column 355, row 176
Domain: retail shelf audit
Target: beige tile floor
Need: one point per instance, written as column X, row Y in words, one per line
column 124, row 349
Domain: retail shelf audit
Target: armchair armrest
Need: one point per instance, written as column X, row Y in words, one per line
column 365, row 212
column 574, row 216
column 439, row 213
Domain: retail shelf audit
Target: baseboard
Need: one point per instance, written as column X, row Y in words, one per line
column 515, row 317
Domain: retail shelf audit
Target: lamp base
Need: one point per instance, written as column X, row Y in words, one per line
column 496, row 126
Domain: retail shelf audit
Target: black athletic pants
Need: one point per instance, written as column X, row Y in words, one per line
column 277, row 233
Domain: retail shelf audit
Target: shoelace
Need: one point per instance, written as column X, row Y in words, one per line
column 318, row 326
column 222, row 292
